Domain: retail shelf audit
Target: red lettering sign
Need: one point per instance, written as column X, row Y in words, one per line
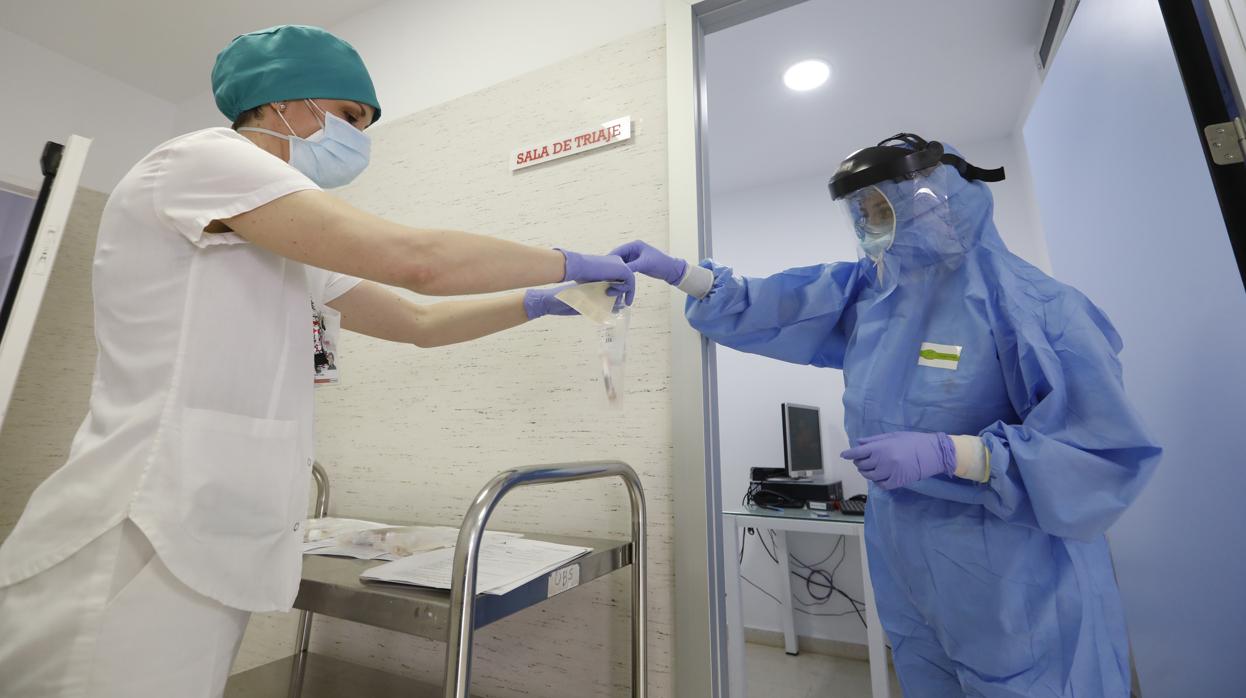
column 608, row 133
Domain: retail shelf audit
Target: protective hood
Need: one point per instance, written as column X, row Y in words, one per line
column 939, row 218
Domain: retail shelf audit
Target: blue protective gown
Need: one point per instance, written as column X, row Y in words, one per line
column 1003, row 588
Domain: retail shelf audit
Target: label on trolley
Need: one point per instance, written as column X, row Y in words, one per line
column 563, row 580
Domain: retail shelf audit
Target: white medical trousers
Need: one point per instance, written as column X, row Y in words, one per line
column 111, row 621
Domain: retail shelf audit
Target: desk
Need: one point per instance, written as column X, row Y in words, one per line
column 735, row 520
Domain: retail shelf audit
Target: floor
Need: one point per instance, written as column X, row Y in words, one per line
column 773, row 674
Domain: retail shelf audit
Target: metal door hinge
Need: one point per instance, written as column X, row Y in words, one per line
column 1226, row 142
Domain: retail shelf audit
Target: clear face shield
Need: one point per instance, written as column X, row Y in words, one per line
column 909, row 217
column 872, row 217
column 896, row 198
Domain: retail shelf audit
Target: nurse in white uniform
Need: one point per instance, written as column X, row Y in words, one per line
column 135, row 567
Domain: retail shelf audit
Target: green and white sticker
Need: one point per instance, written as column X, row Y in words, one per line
column 939, row 356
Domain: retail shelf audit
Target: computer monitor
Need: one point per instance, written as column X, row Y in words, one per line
column 802, row 440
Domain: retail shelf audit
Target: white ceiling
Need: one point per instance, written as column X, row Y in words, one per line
column 955, row 70
column 162, row 47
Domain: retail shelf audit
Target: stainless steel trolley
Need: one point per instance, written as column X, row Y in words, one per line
column 331, row 586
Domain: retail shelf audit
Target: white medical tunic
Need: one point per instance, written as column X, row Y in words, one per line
column 200, row 420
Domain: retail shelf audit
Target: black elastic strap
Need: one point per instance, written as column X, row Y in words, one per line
column 966, row 170
column 972, row 172
column 913, row 140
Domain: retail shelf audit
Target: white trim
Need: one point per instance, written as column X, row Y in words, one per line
column 971, row 458
column 700, row 660
column 697, row 282
column 43, row 252
column 700, row 609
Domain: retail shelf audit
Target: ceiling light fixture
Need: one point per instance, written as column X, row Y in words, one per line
column 807, row 75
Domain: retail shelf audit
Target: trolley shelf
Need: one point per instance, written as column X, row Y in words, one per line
column 331, row 587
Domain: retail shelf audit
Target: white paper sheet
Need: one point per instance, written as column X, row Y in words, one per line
column 324, row 531
column 321, row 538
column 335, row 537
column 505, row 565
column 358, row 552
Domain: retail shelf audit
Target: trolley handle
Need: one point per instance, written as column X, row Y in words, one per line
column 302, row 636
column 467, row 557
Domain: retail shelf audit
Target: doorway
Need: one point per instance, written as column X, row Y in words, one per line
column 729, row 184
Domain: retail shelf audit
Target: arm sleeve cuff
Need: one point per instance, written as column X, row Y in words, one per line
column 697, row 281
column 217, row 174
column 327, row 286
column 973, row 462
column 338, row 285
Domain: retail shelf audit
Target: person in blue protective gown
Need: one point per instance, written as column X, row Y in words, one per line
column 984, row 400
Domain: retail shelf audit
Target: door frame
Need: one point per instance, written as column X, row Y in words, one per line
column 700, row 625
column 700, row 609
column 1193, row 44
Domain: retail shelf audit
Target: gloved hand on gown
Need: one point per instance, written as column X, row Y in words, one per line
column 899, row 458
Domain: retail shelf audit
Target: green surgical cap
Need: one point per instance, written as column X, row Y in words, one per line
column 289, row 62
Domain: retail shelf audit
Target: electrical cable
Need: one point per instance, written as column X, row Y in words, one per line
column 828, row 584
column 816, row 577
column 810, row 584
column 839, row 542
column 819, row 601
column 826, row 615
column 843, row 556
column 816, row 568
column 748, row 494
column 758, row 588
column 811, row 567
column 753, row 532
column 773, row 557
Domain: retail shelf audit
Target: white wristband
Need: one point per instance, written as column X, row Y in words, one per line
column 973, row 460
column 697, row 281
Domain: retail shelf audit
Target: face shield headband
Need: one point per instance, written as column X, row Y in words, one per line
column 887, row 162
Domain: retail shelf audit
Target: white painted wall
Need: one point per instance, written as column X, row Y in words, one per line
column 47, row 97
column 1147, row 242
column 763, row 230
column 60, row 361
column 421, row 54
column 413, row 434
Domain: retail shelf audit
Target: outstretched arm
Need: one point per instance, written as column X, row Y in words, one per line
column 371, row 309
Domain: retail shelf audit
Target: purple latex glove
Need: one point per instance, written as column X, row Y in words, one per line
column 901, row 458
column 587, row 268
column 539, row 302
column 643, row 258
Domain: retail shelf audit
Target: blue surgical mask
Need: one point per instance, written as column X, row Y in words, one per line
column 331, row 157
